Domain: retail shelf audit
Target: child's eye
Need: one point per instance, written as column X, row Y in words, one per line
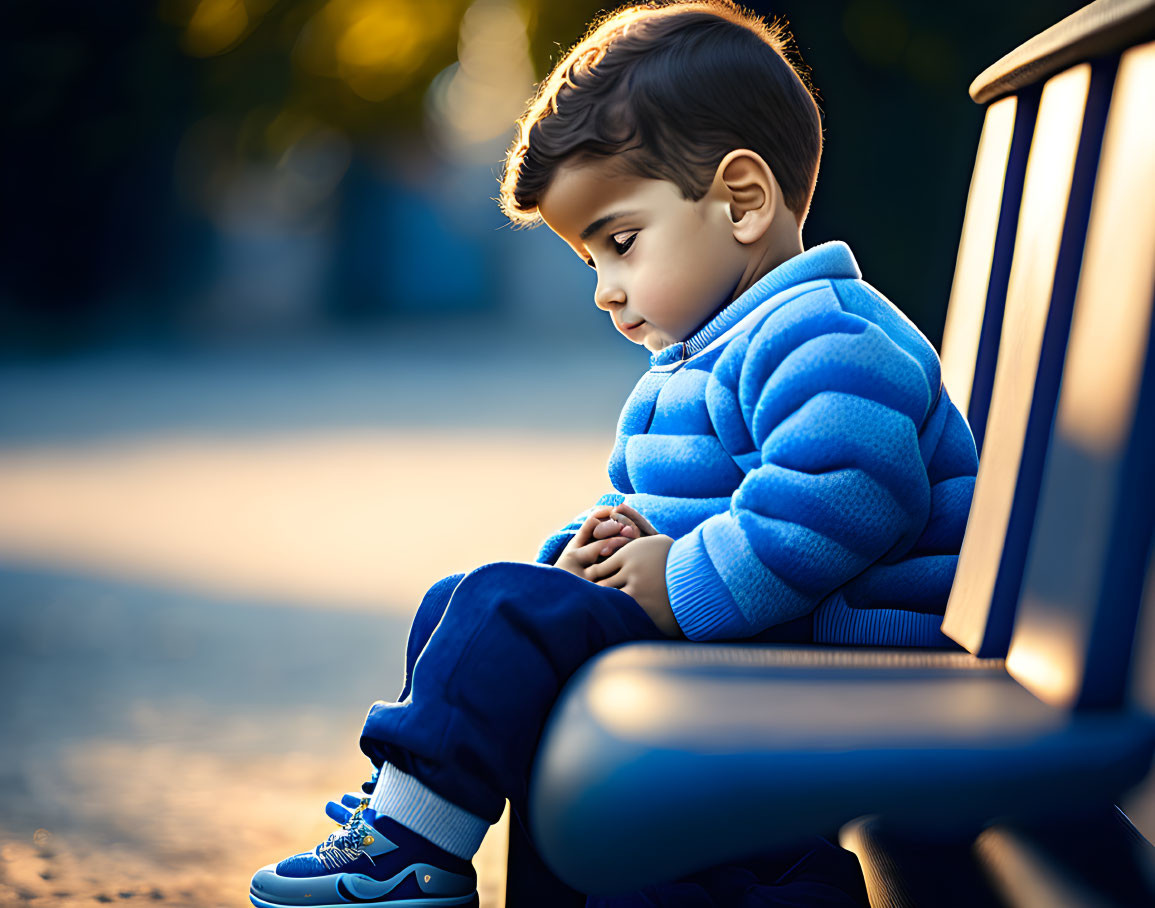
column 623, row 241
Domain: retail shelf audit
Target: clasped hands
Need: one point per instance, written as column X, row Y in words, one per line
column 617, row 547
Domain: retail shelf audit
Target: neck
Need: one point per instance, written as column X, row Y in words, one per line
column 782, row 241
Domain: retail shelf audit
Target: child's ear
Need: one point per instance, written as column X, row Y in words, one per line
column 745, row 182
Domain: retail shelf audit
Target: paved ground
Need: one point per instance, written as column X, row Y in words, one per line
column 163, row 745
column 207, row 565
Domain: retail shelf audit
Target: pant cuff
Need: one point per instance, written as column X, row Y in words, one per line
column 404, row 799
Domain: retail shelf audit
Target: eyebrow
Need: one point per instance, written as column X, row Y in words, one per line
column 601, row 222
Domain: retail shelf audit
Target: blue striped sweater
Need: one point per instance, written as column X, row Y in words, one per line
column 801, row 450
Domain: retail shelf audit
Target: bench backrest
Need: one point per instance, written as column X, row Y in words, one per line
column 1092, row 536
column 1061, row 167
column 974, row 315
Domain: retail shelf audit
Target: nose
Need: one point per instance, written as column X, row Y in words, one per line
column 608, row 293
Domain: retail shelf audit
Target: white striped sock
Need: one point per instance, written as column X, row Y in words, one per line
column 407, row 801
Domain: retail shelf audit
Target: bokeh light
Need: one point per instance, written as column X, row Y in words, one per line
column 375, row 47
column 474, row 102
column 214, row 27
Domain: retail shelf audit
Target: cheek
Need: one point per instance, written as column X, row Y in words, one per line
column 660, row 284
column 675, row 298
column 667, row 293
column 686, row 277
column 686, row 261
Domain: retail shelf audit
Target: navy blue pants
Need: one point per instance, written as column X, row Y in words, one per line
column 488, row 655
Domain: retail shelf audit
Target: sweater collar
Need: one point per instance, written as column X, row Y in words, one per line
column 827, row 260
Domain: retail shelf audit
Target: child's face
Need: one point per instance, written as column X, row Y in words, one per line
column 665, row 264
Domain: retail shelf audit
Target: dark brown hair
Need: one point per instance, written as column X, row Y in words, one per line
column 668, row 90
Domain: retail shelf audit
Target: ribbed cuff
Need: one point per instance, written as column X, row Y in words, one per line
column 406, row 800
column 701, row 603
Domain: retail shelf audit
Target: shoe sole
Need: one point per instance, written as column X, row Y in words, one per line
column 466, row 901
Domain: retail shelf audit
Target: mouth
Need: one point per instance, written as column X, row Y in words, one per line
column 626, row 327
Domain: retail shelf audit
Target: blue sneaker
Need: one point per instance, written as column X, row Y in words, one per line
column 372, row 860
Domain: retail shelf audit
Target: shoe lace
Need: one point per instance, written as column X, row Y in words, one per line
column 355, row 816
column 347, row 844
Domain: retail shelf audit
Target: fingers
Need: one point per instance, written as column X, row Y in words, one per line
column 607, row 528
column 612, row 545
column 613, row 577
column 599, row 549
column 625, row 512
column 607, row 568
column 619, row 522
column 612, row 527
column 622, row 514
column 585, row 532
column 586, row 556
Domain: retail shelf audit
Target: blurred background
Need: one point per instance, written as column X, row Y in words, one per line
column 271, row 363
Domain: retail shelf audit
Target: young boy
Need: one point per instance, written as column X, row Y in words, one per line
column 790, row 467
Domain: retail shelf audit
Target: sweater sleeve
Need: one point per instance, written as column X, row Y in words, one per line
column 552, row 548
column 822, row 409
